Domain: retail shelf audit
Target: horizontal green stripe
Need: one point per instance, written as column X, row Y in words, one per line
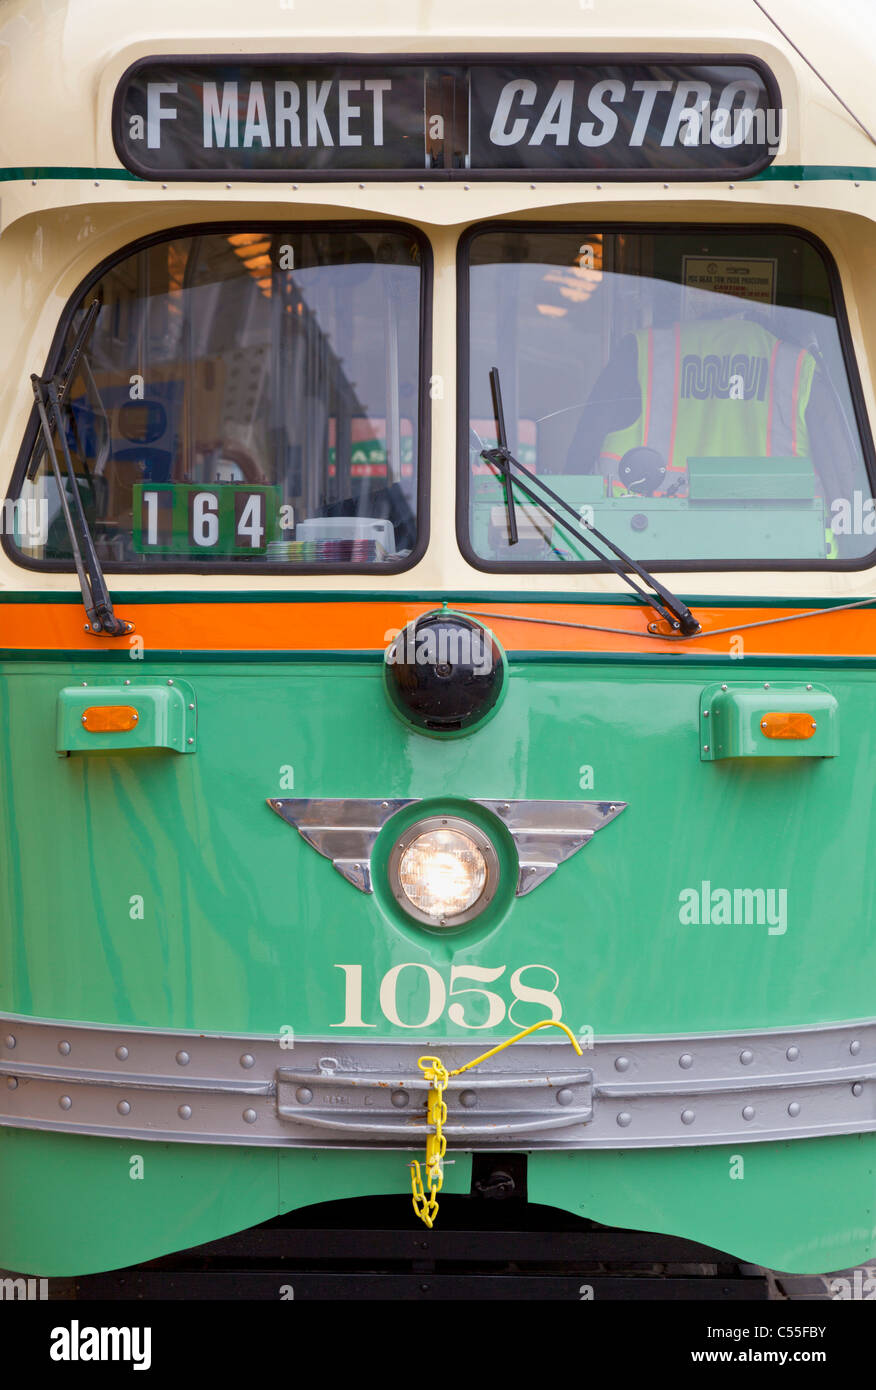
column 332, row 658
column 810, row 173
column 775, row 173
column 40, row 172
column 452, row 596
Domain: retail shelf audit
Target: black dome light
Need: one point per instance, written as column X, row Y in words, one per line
column 444, row 673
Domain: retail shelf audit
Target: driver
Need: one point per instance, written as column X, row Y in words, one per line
column 705, row 388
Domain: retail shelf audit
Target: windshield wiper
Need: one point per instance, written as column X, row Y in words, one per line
column 670, row 608
column 50, row 395
column 503, row 456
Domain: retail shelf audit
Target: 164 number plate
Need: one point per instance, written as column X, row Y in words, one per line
column 204, row 519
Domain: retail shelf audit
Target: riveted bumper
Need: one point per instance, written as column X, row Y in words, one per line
column 689, row 1089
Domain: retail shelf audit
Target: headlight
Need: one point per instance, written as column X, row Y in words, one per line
column 443, row 871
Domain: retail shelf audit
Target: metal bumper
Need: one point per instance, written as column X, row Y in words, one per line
column 208, row 1088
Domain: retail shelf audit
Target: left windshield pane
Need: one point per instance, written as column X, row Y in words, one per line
column 249, row 397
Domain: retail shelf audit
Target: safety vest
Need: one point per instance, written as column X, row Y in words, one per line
column 716, row 388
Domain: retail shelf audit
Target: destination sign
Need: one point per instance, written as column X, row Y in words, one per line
column 289, row 117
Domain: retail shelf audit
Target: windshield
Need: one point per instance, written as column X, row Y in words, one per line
column 686, row 391
column 248, row 397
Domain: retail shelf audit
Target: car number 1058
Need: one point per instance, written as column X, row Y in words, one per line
column 414, row 988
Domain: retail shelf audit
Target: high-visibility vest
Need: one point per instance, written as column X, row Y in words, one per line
column 717, row 388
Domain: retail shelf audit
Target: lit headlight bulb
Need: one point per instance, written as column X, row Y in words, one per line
column 442, row 873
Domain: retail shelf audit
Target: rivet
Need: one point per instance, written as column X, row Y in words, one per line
column 122, row 1054
column 12, row 1083
column 192, row 705
column 183, row 1059
column 809, row 687
column 723, row 687
column 124, row 1107
column 401, row 1098
column 685, row 1060
column 857, row 1088
column 466, row 187
column 85, row 682
column 384, row 805
column 10, row 1040
column 854, row 1048
column 624, row 1118
column 64, row 1048
column 731, row 186
column 792, row 1054
column 621, row 1063
column 794, row 1109
column 746, row 1057
column 170, row 682
column 65, row 1102
column 250, row 1116
column 748, row 1112
column 190, row 740
column 687, row 1117
column 303, row 1095
column 796, row 185
column 87, row 629
column 705, row 714
column 185, row 1112
column 565, row 1096
column 84, row 720
column 766, row 685
column 763, row 723
column 127, row 682
column 466, row 1098
column 705, row 748
column 247, row 1060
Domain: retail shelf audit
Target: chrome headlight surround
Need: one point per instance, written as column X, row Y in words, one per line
column 481, row 842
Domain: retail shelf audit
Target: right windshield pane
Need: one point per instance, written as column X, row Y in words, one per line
column 686, row 392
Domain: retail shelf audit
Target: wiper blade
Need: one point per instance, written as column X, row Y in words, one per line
column 49, row 395
column 666, row 604
column 503, row 456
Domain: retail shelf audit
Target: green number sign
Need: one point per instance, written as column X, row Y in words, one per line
column 211, row 519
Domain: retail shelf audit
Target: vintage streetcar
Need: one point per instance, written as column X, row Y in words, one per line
column 438, row 627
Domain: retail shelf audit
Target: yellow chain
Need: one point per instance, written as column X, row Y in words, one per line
column 425, row 1197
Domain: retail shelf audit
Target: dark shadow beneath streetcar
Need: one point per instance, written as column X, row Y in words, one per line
column 374, row 1248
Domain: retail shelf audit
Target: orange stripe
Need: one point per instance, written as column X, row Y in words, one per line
column 769, row 428
column 650, row 385
column 350, row 626
column 794, row 397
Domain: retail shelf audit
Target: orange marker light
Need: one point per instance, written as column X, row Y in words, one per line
column 110, row 719
column 784, row 724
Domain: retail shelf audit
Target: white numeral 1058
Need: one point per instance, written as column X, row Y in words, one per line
column 405, row 982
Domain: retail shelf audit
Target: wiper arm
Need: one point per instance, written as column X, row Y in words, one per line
column 666, row 604
column 503, row 456
column 49, row 395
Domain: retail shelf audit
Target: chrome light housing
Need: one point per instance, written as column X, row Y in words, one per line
column 443, row 871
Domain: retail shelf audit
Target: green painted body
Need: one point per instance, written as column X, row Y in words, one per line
column 243, row 927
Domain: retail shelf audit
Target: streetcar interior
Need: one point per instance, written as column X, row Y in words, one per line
column 686, row 390
column 248, row 394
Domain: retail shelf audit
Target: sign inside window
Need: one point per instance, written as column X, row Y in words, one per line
column 279, row 117
column 195, row 519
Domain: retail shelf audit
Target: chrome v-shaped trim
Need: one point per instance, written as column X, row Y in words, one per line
column 545, row 833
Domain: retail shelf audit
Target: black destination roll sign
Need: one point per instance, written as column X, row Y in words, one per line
column 497, row 117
